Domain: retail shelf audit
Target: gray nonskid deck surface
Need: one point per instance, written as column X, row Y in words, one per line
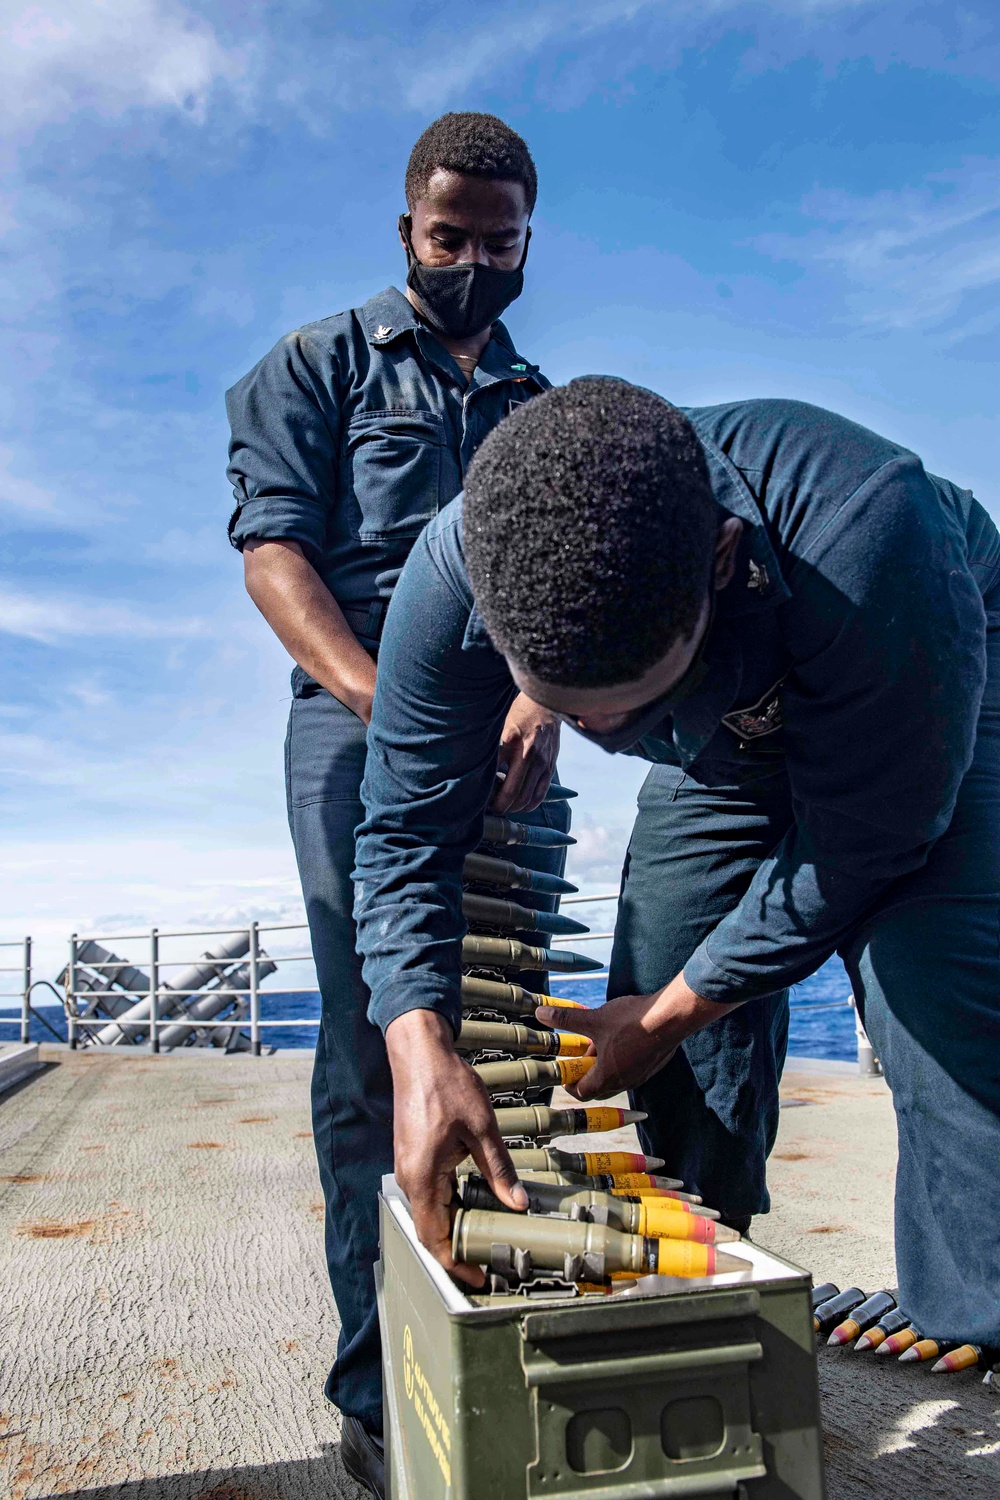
column 167, row 1323
column 167, row 1316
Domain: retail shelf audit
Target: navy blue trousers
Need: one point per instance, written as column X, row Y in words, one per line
column 925, row 969
column 351, row 1084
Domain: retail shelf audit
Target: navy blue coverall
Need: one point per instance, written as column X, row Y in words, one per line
column 347, row 438
column 832, row 784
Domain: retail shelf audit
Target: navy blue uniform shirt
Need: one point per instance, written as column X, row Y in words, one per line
column 851, row 642
column 354, row 431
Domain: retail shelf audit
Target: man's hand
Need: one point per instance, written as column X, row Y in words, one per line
column 442, row 1114
column 528, row 749
column 634, row 1036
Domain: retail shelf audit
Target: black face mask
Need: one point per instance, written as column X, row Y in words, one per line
column 461, row 300
column 651, row 715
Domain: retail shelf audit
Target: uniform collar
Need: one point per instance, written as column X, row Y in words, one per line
column 388, row 316
column 757, row 581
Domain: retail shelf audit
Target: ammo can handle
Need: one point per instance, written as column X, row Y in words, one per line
column 540, row 1372
column 618, row 1315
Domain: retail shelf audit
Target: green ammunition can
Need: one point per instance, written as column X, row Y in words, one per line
column 701, row 1388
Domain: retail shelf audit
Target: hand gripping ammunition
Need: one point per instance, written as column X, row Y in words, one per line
column 506, row 953
column 893, row 1322
column 490, row 911
column 649, row 1217
column 490, row 1036
column 504, row 831
column 863, row 1317
column 521, row 1244
column 829, row 1314
column 483, row 869
column 541, row 1120
column 509, row 999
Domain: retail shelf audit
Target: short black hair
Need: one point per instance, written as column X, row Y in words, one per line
column 479, row 145
column 590, row 531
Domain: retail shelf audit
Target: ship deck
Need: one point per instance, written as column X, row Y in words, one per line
column 167, row 1323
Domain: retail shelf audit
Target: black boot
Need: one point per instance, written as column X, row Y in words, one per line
column 363, row 1456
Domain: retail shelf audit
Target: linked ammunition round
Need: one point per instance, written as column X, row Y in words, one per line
column 893, row 1322
column 863, row 1317
column 585, row 1163
column 829, row 1314
column 509, row 999
column 491, row 911
column 607, row 1182
column 505, row 831
column 965, row 1357
column 532, row 1073
column 579, row 1251
column 483, row 869
column 664, row 1192
column 823, row 1293
column 484, row 1036
column 925, row 1349
column 651, row 1217
column 898, row 1343
column 506, row 953
column 541, row 1120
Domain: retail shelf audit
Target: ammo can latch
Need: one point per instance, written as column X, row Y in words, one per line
column 619, row 1389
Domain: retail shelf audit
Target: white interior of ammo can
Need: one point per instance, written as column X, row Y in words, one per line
column 761, row 1265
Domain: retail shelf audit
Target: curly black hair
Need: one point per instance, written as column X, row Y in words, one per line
column 590, row 528
column 480, row 145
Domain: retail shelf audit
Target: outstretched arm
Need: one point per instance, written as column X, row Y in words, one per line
column 441, row 701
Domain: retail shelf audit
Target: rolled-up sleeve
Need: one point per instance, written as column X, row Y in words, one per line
column 886, row 628
column 284, row 419
column 440, row 703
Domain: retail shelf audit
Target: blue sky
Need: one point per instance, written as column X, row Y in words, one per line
column 736, row 199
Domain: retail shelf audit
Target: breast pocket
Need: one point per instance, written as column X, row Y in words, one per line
column 393, row 463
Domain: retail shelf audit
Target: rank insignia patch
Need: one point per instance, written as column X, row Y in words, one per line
column 760, row 719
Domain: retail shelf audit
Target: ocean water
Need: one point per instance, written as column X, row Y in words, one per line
column 821, row 1024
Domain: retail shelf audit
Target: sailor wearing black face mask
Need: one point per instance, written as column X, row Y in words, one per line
column 346, row 440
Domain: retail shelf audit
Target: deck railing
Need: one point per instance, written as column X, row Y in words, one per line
column 22, row 991
column 144, row 1002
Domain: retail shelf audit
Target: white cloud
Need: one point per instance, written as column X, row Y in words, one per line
column 912, row 258
column 52, row 618
column 58, row 57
